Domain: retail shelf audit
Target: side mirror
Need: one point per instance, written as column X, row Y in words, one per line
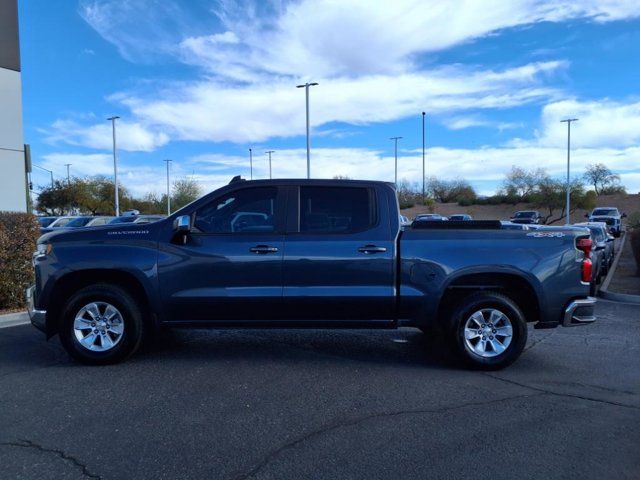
column 586, row 215
column 182, row 224
column 624, row 215
column 610, row 238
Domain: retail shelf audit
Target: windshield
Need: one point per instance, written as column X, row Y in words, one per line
column 525, row 214
column 597, row 232
column 78, row 222
column 46, row 221
column 605, row 211
column 130, row 219
column 61, row 222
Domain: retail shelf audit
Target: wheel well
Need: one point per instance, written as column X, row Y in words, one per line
column 74, row 281
column 513, row 286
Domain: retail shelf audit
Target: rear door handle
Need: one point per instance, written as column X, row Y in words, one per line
column 369, row 249
column 262, row 249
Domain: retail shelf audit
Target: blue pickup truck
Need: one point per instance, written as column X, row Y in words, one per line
column 308, row 254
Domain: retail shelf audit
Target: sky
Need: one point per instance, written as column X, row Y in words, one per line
column 202, row 81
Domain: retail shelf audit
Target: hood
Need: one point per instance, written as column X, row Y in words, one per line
column 103, row 233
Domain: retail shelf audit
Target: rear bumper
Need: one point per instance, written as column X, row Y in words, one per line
column 579, row 312
column 38, row 317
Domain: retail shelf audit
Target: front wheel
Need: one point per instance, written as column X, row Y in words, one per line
column 101, row 324
column 489, row 331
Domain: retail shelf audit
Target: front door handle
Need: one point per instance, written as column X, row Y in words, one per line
column 262, row 249
column 369, row 249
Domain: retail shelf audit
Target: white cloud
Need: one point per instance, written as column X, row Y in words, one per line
column 215, row 111
column 325, row 38
column 470, row 121
column 601, row 123
column 137, row 179
column 484, row 167
column 320, row 38
column 130, row 136
column 142, row 30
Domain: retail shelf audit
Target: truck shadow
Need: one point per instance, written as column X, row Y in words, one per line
column 406, row 346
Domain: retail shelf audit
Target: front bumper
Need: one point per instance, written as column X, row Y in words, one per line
column 38, row 317
column 579, row 312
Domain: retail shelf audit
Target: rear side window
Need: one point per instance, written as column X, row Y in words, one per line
column 336, row 209
column 250, row 210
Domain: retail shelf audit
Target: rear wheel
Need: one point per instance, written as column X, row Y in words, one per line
column 489, row 331
column 101, row 324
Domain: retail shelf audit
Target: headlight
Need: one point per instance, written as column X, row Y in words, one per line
column 42, row 250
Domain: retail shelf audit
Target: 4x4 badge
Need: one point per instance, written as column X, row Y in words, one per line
column 545, row 234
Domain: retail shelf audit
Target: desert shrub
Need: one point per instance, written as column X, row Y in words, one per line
column 633, row 224
column 633, row 221
column 19, row 233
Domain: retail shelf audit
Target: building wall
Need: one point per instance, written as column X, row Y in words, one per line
column 13, row 187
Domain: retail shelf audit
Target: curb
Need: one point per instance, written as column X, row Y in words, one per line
column 14, row 319
column 617, row 297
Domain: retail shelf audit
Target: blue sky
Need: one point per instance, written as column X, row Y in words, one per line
column 200, row 82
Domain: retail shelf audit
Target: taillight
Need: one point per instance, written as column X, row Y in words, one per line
column 585, row 245
column 586, row 270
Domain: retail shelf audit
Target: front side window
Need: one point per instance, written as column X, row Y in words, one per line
column 249, row 210
column 336, row 209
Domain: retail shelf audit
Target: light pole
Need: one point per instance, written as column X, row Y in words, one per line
column 395, row 139
column 568, row 122
column 423, row 159
column 306, row 91
column 68, row 177
column 115, row 162
column 269, row 152
column 168, row 189
column 46, row 170
column 251, row 164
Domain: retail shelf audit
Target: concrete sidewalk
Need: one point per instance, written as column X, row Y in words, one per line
column 13, row 319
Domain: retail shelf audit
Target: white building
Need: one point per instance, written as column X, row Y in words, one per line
column 13, row 182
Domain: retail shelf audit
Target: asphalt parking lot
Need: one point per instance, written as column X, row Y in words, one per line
column 325, row 404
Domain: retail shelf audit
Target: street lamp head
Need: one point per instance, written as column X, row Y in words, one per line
column 566, row 120
column 307, row 85
column 115, row 117
column 423, row 114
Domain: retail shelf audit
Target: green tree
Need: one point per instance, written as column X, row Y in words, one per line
column 61, row 198
column 408, row 194
column 447, row 191
column 550, row 196
column 520, row 184
column 185, row 191
column 91, row 195
column 604, row 181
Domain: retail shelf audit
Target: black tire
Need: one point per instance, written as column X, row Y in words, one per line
column 482, row 301
column 131, row 318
